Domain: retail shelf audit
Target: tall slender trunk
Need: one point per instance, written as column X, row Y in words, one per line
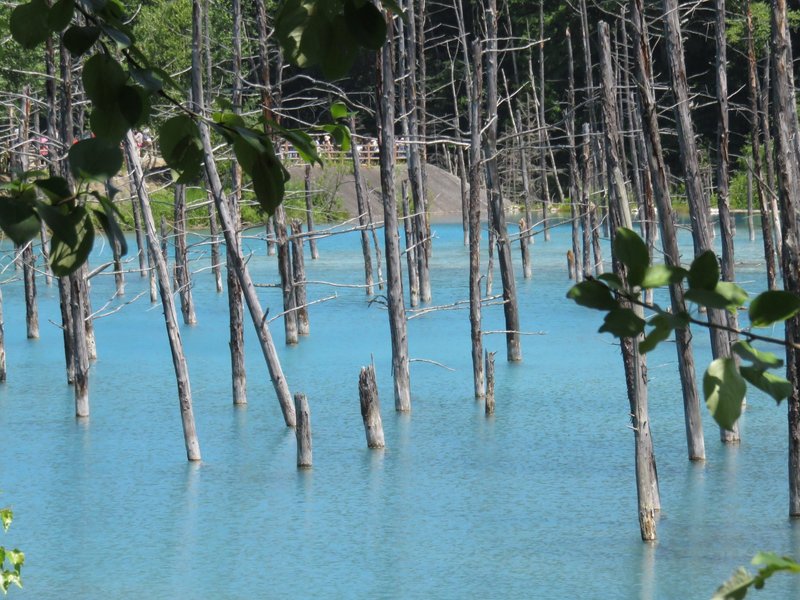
column 574, row 191
column 475, row 224
column 361, row 204
column 182, row 277
column 397, row 312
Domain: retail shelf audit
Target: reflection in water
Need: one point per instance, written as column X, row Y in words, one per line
column 647, row 571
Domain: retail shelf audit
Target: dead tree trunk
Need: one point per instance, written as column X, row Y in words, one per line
column 191, row 441
column 287, row 283
column 698, row 202
column 411, row 247
column 634, row 362
column 231, row 240
column 784, row 114
column 475, row 224
column 312, row 241
column 394, row 275
column 669, row 240
column 363, row 222
column 3, row 372
column 299, row 278
column 182, row 276
column 574, row 191
column 303, row 431
column 489, row 402
column 31, row 306
column 513, row 349
column 213, row 233
column 80, row 357
column 370, row 407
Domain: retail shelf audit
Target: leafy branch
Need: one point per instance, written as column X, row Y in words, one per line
column 11, row 561
column 725, row 381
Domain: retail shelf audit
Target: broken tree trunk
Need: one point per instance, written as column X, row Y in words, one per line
column 287, row 282
column 370, row 407
column 409, row 232
column 299, row 278
column 182, row 277
column 303, row 431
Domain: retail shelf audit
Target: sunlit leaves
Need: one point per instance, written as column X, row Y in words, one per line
column 762, row 360
column 656, row 276
column 6, row 516
column 724, row 390
column 772, row 306
column 736, row 587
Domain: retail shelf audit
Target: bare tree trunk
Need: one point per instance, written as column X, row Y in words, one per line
column 397, row 311
column 361, row 203
column 312, row 241
column 370, row 407
column 231, row 240
column 303, row 431
column 182, row 276
column 574, row 191
column 191, row 441
column 489, row 401
column 634, row 362
column 669, row 240
column 3, row 372
column 784, row 114
column 299, row 278
column 698, row 202
column 80, row 356
column 510, row 310
column 411, row 247
column 475, row 224
column 287, row 283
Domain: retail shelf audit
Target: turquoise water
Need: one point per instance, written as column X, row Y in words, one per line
column 536, row 502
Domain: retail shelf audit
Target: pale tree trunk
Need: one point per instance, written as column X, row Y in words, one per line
column 191, row 441
column 475, row 224
column 312, row 241
column 634, row 362
column 513, row 349
column 182, row 277
column 574, row 191
column 698, row 202
column 361, row 203
column 784, row 114
column 669, row 240
column 299, row 278
column 398, row 327
column 411, row 248
column 287, row 282
column 229, row 231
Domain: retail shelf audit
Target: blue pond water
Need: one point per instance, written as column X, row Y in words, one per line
column 536, row 502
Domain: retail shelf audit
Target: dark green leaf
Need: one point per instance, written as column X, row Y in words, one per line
column 592, row 294
column 134, row 104
column 179, row 140
column 78, row 40
column 60, row 14
column 55, row 188
column 612, row 280
column 773, row 306
column 28, row 24
column 629, row 248
column 337, row 49
column 107, row 216
column 662, row 328
column 122, row 39
column 108, row 123
column 103, row 79
column 774, row 385
column 366, row 24
column 724, row 390
column 147, row 79
column 300, row 141
column 736, row 587
column 704, row 272
column 657, row 276
column 291, row 21
column 17, row 217
column 622, row 322
column 341, row 135
column 707, row 298
column 60, row 221
column 761, row 360
column 66, row 258
column 95, row 159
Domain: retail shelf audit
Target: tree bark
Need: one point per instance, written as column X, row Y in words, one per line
column 363, row 221
column 299, row 278
column 182, row 275
column 370, row 407
column 303, row 431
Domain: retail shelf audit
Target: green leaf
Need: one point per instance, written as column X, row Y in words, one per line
column 774, row 385
column 724, row 390
column 17, row 217
column 341, row 135
column 612, row 280
column 179, row 140
column 704, row 272
column 301, row 141
column 95, row 159
column 103, row 79
column 6, row 516
column 122, row 39
column 629, row 248
column 392, row 6
column 337, row 49
column 734, row 294
column 662, row 328
column 107, row 216
column 65, row 257
column 711, row 299
column 147, row 78
column 55, row 188
column 59, row 221
column 761, row 360
column 78, row 40
column 592, row 294
column 622, row 322
column 60, row 15
column 339, row 110
column 134, row 104
column 28, row 24
column 773, row 306
column 108, row 124
column 291, row 21
column 657, row 276
column 736, row 587
column 366, row 24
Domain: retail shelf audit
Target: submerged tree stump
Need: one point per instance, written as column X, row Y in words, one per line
column 489, row 382
column 370, row 407
column 303, row 431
